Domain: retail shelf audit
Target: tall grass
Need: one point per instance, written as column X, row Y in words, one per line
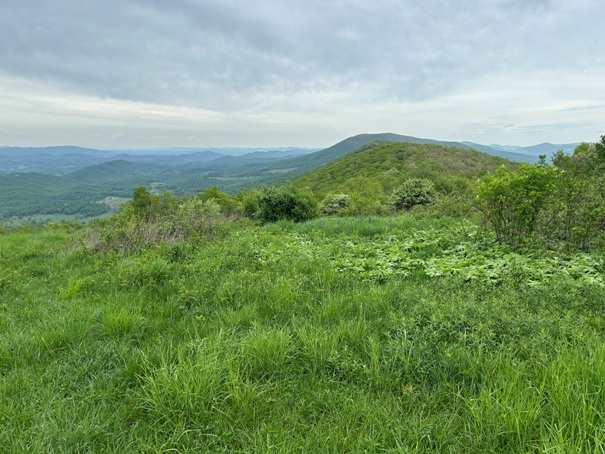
column 257, row 342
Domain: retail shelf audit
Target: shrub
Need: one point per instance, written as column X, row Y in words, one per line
column 414, row 191
column 249, row 201
column 575, row 211
column 151, row 219
column 512, row 200
column 563, row 204
column 333, row 204
column 285, row 203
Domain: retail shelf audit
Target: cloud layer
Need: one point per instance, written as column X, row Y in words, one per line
column 310, row 61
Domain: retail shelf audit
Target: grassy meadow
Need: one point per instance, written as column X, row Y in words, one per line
column 394, row 334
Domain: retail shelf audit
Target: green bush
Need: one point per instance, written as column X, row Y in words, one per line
column 230, row 206
column 333, row 204
column 285, row 203
column 414, row 191
column 248, row 199
column 512, row 200
column 151, row 219
column 563, row 204
column 575, row 211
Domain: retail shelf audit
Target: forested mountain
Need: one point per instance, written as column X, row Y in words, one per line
column 27, row 194
column 391, row 163
column 112, row 172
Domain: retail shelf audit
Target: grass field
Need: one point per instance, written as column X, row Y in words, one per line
column 402, row 334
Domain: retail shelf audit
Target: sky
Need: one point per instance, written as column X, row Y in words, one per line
column 266, row 73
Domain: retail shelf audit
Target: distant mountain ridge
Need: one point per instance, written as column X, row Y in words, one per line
column 529, row 154
column 60, row 160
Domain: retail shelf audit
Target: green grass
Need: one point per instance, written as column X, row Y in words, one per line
column 263, row 341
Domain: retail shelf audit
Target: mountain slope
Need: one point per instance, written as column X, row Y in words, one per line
column 380, row 161
column 118, row 171
column 25, row 194
column 346, row 146
column 232, row 179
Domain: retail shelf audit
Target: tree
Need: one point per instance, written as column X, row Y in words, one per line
column 512, row 200
column 285, row 203
column 414, row 191
column 563, row 204
column 600, row 148
column 142, row 200
column 334, row 203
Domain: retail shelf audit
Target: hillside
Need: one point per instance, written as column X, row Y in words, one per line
column 26, row 194
column 98, row 174
column 118, row 171
column 381, row 161
column 313, row 160
column 232, row 178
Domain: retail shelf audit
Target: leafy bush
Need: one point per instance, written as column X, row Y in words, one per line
column 248, row 199
column 367, row 197
column 512, row 200
column 414, row 191
column 153, row 219
column 563, row 204
column 285, row 203
column 334, row 203
column 576, row 209
column 230, row 206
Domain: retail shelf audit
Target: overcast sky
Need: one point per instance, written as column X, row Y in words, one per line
column 125, row 73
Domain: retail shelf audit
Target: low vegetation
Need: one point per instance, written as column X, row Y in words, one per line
column 181, row 325
column 563, row 203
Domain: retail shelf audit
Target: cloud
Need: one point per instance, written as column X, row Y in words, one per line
column 302, row 60
column 217, row 54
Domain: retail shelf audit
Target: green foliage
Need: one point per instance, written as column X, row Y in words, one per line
column 333, row 204
column 154, row 219
column 575, row 212
column 249, row 202
column 600, row 149
column 368, row 174
column 512, row 200
column 31, row 194
column 454, row 184
column 142, row 202
column 562, row 204
column 414, row 191
column 285, row 203
column 367, row 197
column 231, row 207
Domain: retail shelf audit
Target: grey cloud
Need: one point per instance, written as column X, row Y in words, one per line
column 222, row 54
